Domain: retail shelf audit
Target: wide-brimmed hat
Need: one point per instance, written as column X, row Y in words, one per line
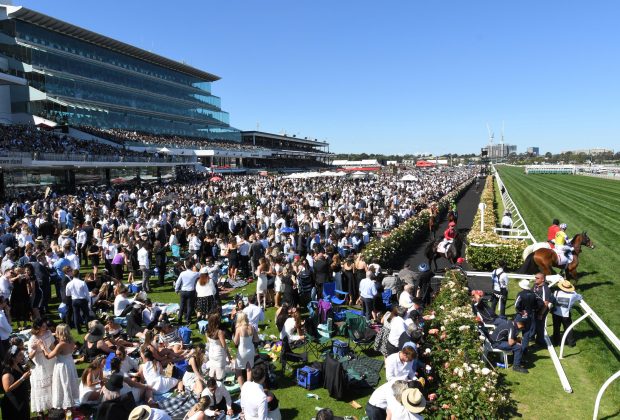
column 65, row 232
column 107, row 235
column 566, row 286
column 95, row 334
column 413, row 400
column 115, row 382
column 141, row 412
column 524, row 284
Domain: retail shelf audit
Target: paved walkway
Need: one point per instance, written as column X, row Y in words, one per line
column 467, row 207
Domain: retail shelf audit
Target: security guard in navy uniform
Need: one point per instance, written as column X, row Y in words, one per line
column 526, row 304
column 545, row 302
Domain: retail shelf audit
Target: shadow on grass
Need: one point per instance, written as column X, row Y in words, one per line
column 583, row 287
column 510, row 411
column 612, row 416
column 289, row 413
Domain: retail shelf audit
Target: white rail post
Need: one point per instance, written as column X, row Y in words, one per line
column 601, row 392
column 481, row 207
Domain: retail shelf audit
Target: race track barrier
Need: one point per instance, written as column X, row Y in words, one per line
column 518, row 223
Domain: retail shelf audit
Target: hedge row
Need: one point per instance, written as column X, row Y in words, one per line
column 465, row 387
column 486, row 258
column 387, row 250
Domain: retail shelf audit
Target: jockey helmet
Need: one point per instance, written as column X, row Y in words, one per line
column 422, row 268
column 451, row 224
column 563, row 226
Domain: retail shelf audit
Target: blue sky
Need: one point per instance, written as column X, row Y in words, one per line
column 394, row 76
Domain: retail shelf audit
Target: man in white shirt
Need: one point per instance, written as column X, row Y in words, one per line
column 219, row 396
column 5, row 326
column 255, row 313
column 253, row 398
column 368, row 291
column 378, row 402
column 145, row 265
column 121, row 302
column 400, row 365
column 77, row 290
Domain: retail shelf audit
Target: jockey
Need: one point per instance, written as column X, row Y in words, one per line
column 561, row 240
column 551, row 232
column 448, row 236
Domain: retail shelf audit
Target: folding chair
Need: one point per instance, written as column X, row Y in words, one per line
column 316, row 344
column 386, row 297
column 288, row 355
column 332, row 294
column 175, row 252
column 359, row 333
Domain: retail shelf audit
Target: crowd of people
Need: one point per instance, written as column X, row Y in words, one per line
column 124, row 136
column 97, row 252
column 31, row 139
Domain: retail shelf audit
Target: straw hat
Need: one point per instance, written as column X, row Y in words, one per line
column 413, row 400
column 141, row 412
column 566, row 286
column 65, row 232
column 524, row 284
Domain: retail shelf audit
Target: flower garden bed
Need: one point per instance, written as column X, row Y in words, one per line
column 461, row 385
column 486, row 258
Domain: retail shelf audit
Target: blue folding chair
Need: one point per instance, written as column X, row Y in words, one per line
column 332, row 294
column 386, row 297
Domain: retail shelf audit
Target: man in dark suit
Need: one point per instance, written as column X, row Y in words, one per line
column 321, row 273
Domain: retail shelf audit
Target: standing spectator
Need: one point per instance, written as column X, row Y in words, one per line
column 500, row 288
column 81, row 241
column 5, row 326
column 16, row 402
column 321, row 273
column 565, row 298
column 118, row 262
column 144, row 260
column 244, row 338
column 94, row 254
column 218, row 350
column 391, row 282
column 77, row 292
column 368, row 291
column 254, row 312
column 544, row 304
column 43, row 370
column 160, row 261
column 206, row 289
column 253, row 397
column 185, row 286
column 64, row 379
column 526, row 303
column 20, row 298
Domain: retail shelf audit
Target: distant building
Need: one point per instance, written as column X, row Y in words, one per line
column 499, row 151
column 589, row 151
column 533, row 151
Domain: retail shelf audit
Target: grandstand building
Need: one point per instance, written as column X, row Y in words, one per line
column 91, row 93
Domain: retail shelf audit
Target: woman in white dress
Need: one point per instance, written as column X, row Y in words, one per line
column 244, row 339
column 41, row 379
column 193, row 378
column 262, row 281
column 153, row 374
column 218, row 350
column 90, row 385
column 65, row 390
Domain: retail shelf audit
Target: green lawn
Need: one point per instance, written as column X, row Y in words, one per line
column 589, row 204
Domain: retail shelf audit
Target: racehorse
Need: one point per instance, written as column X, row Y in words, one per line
column 544, row 258
column 452, row 253
column 433, row 220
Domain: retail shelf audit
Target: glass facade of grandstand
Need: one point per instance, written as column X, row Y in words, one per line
column 106, row 87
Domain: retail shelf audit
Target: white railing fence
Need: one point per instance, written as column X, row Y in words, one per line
column 519, row 228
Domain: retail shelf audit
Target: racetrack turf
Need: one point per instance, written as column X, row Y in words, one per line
column 585, row 204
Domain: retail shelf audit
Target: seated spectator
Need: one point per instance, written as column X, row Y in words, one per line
column 153, row 374
column 505, row 336
column 407, row 405
column 376, row 408
column 219, row 396
column 481, row 309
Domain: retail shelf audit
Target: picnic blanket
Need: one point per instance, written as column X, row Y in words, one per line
column 363, row 372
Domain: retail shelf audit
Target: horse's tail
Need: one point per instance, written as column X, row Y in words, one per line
column 527, row 251
column 535, row 247
column 429, row 251
column 529, row 266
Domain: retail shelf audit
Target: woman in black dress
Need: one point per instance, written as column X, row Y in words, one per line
column 233, row 258
column 20, row 298
column 16, row 385
column 348, row 280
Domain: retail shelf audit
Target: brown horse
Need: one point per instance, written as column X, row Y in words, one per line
column 544, row 259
